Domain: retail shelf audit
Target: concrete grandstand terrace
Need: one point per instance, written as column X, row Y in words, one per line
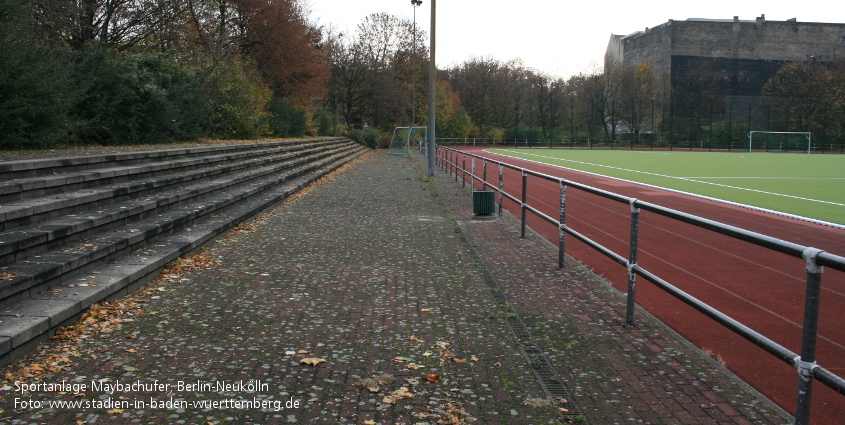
column 383, row 273
column 79, row 229
column 760, row 288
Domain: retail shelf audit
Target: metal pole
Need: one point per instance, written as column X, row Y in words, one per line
column 501, row 181
column 632, row 261
column 571, row 118
column 730, row 124
column 472, row 174
column 414, row 68
column 807, row 361
column 524, row 195
column 561, row 252
column 749, row 116
column 631, row 130
column 432, row 75
column 464, row 169
column 483, row 174
column 710, row 141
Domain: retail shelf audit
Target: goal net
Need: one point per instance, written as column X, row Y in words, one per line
column 404, row 138
column 780, row 141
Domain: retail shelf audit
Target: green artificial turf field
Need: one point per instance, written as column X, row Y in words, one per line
column 807, row 185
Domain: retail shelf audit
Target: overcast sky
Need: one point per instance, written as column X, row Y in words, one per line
column 560, row 38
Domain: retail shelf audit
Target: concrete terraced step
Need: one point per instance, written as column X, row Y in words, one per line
column 121, row 259
column 30, row 187
column 48, row 166
column 38, row 274
column 73, row 199
column 21, row 243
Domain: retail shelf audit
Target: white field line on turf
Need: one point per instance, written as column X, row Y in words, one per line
column 771, row 178
column 687, row 179
column 695, row 195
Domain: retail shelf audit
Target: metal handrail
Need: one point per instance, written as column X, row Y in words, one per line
column 815, row 260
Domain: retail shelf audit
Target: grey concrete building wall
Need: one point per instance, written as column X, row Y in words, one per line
column 803, row 41
column 708, row 59
column 765, row 40
column 735, row 39
column 654, row 46
column 614, row 52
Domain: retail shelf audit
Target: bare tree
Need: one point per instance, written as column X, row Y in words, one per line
column 372, row 74
column 637, row 94
column 121, row 24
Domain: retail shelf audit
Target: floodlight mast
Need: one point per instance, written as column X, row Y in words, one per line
column 432, row 70
column 414, row 4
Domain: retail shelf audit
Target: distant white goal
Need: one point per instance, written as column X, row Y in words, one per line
column 404, row 138
column 786, row 141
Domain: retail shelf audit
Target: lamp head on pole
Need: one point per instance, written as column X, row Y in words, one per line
column 416, row 3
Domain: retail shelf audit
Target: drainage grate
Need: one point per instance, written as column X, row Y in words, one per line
column 519, row 329
column 537, row 360
column 548, row 379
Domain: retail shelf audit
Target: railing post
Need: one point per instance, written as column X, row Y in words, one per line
column 456, row 166
column 449, row 162
column 443, row 158
column 472, row 174
column 561, row 251
column 501, row 181
column 483, row 174
column 632, row 261
column 807, row 361
column 524, row 197
column 464, row 170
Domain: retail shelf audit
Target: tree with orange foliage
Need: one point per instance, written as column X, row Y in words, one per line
column 287, row 49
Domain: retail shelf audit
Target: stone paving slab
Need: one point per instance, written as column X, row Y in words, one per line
column 381, row 272
column 616, row 374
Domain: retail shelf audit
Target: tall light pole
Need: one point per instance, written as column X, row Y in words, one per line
column 414, row 3
column 432, row 71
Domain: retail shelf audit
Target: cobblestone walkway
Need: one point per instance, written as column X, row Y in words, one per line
column 376, row 299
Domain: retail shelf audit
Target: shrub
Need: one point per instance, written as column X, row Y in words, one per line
column 132, row 99
column 36, row 90
column 287, row 120
column 375, row 139
column 328, row 124
column 356, row 136
column 175, row 103
column 240, row 98
column 369, row 137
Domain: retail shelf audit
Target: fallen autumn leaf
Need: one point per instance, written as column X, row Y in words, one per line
column 432, row 377
column 313, row 361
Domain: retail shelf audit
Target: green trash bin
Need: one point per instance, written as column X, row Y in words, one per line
column 483, row 202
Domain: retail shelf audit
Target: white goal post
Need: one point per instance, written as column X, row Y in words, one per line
column 806, row 133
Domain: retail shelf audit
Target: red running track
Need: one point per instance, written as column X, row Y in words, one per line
column 760, row 288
